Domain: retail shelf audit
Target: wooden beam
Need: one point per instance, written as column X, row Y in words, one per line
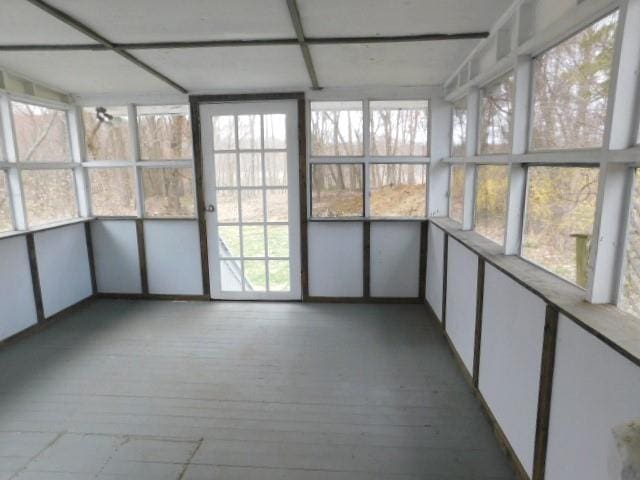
column 81, row 27
column 478, row 331
column 294, row 12
column 424, row 246
column 366, row 259
column 35, row 277
column 142, row 256
column 302, row 178
column 255, row 42
column 91, row 258
column 444, row 281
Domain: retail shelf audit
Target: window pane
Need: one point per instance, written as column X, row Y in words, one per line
column 336, row 128
column 226, row 169
column 456, row 196
column 113, row 191
column 252, row 205
column 398, row 190
column 249, row 132
column 400, row 128
column 279, row 276
column 277, row 205
column 561, row 205
column 253, row 241
column 6, row 222
column 275, row 167
column 224, row 132
column 255, row 275
column 49, row 196
column 106, row 133
column 229, row 240
column 41, row 133
column 630, row 295
column 168, row 192
column 337, row 190
column 491, row 201
column 227, row 206
column 251, row 169
column 497, row 117
column 571, row 88
column 165, row 132
column 275, row 130
column 459, row 129
column 231, row 276
column 278, row 239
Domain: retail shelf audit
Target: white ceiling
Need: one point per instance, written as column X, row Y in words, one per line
column 238, row 68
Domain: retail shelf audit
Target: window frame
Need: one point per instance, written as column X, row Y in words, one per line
column 452, row 166
column 366, row 159
column 345, row 218
column 497, row 80
column 454, row 104
column 477, row 167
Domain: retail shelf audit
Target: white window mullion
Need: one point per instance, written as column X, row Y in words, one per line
column 13, row 174
column 473, row 119
column 135, row 155
column 366, row 149
column 76, row 134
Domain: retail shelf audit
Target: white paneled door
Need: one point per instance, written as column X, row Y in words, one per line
column 251, row 191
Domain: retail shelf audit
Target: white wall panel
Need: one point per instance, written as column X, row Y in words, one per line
column 115, row 253
column 173, row 257
column 63, row 266
column 594, row 389
column 17, row 306
column 462, row 285
column 435, row 269
column 395, row 255
column 511, row 351
column 335, row 259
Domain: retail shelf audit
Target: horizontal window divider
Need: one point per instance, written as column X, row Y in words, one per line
column 108, row 163
column 559, row 157
column 44, row 228
column 170, row 219
column 39, row 101
column 367, row 219
column 398, row 159
column 45, row 165
column 614, row 327
column 270, row 187
column 337, row 159
column 253, row 258
column 250, row 224
column 164, row 163
column 247, row 150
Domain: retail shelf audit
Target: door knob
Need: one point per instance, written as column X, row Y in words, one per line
column 210, row 208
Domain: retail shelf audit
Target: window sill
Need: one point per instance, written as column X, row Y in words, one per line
column 616, row 328
column 44, row 228
column 366, row 219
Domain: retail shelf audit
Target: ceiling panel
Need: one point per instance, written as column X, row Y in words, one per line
column 22, row 23
column 384, row 17
column 232, row 68
column 83, row 73
column 125, row 21
column 400, row 64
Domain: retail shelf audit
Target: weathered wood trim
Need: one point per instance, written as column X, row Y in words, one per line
column 444, row 280
column 478, row 331
column 91, row 258
column 366, row 260
column 371, row 300
column 152, row 296
column 547, row 364
column 302, row 179
column 142, row 256
column 424, row 246
column 35, row 277
column 246, row 97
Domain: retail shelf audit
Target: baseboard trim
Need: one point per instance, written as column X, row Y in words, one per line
column 152, row 296
column 365, row 300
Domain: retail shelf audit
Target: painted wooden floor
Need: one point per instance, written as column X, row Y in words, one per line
column 174, row 390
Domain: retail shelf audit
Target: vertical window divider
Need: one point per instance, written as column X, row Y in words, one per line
column 135, row 155
column 366, row 156
column 13, row 173
column 80, row 175
column 473, row 119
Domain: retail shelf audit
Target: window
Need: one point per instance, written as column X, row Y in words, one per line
column 491, row 201
column 165, row 132
column 560, row 212
column 496, row 117
column 459, row 129
column 42, row 133
column 336, row 129
column 456, row 193
column 399, row 128
column 337, row 190
column 398, row 190
column 6, row 220
column 571, row 89
column 630, row 292
column 106, row 133
column 49, row 196
column 113, row 191
column 168, row 192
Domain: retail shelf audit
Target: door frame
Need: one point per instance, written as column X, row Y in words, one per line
column 195, row 101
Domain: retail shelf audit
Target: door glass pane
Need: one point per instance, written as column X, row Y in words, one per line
column 252, row 206
column 226, row 171
column 227, row 206
column 230, row 276
column 275, row 131
column 224, row 132
column 249, row 132
column 253, row 241
column 255, row 275
column 279, row 275
column 275, row 167
column 251, row 169
column 229, row 240
column 278, row 238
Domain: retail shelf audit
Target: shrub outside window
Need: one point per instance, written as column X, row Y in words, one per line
column 107, row 133
column 42, row 133
column 165, row 132
column 560, row 213
column 49, row 196
column 459, row 129
column 496, row 117
column 456, row 193
column 491, row 201
column 337, row 190
column 168, row 192
column 571, row 89
column 398, row 190
column 630, row 292
column 113, row 191
column 399, row 128
column 336, row 129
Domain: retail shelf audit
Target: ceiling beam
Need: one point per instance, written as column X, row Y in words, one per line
column 81, row 27
column 304, row 47
column 365, row 40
